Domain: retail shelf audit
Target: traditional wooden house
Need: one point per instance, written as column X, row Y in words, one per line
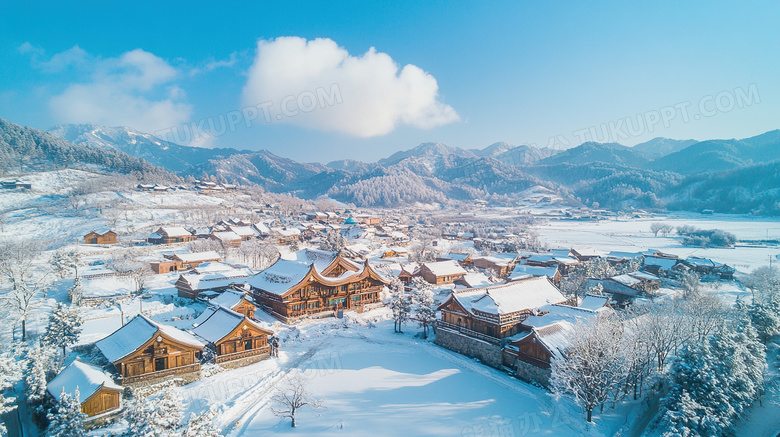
column 661, row 266
column 705, row 266
column 212, row 276
column 464, row 259
column 234, row 300
column 145, row 351
column 98, row 393
column 564, row 263
column 244, row 231
column 286, row 235
column 105, row 237
column 316, row 282
column 544, row 336
column 442, row 272
column 170, row 235
column 233, row 337
column 408, row 272
column 495, row 312
column 500, row 264
column 184, row 261
column 226, row 238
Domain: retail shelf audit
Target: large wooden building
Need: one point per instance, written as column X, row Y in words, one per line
column 316, row 282
column 233, row 337
column 494, row 313
column 143, row 350
column 105, row 237
column 98, row 393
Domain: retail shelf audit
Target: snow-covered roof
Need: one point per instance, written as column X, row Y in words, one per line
column 228, row 299
column 625, row 255
column 556, row 337
column 645, row 276
column 289, row 232
column 445, row 268
column 226, row 236
column 262, row 228
column 135, row 333
column 198, row 256
column 662, row 263
column 526, row 294
column 278, row 278
column 244, row 231
column 557, row 313
column 702, row 262
column 174, row 231
column 593, row 302
column 86, row 377
column 220, row 323
column 626, row 280
column 522, row 271
column 474, row 280
column 213, row 275
column 561, row 252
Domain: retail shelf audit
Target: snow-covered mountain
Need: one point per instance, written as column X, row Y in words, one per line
column 180, row 159
column 611, row 174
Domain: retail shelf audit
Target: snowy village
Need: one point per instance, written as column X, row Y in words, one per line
column 208, row 321
column 412, row 219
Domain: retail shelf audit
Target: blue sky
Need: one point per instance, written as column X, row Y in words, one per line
column 551, row 74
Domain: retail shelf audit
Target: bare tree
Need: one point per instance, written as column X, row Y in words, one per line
column 656, row 227
column 25, row 279
column 293, row 396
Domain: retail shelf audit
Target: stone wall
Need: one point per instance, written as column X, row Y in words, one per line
column 241, row 362
column 489, row 354
column 529, row 372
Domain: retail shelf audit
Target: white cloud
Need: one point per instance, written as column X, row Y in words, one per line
column 129, row 90
column 363, row 96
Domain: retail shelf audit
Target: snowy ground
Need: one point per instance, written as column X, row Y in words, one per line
column 632, row 235
column 377, row 382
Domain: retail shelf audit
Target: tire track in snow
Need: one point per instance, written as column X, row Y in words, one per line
column 255, row 398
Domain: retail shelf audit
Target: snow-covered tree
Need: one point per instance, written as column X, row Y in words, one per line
column 202, row 425
column 25, row 279
column 63, row 329
column 593, row 365
column 140, row 418
column 10, row 373
column 291, row 397
column 66, row 418
column 424, row 307
column 167, row 411
column 40, row 363
column 333, row 241
column 76, row 291
column 63, row 261
column 689, row 283
column 401, row 306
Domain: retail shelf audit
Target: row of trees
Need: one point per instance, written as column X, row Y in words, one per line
column 618, row 353
column 715, row 380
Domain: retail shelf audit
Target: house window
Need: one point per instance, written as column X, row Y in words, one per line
column 355, row 298
column 314, row 304
column 332, row 302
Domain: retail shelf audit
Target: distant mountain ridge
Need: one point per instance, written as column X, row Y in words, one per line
column 32, row 149
column 648, row 175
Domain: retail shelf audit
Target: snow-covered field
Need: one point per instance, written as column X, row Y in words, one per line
column 632, row 235
column 375, row 382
